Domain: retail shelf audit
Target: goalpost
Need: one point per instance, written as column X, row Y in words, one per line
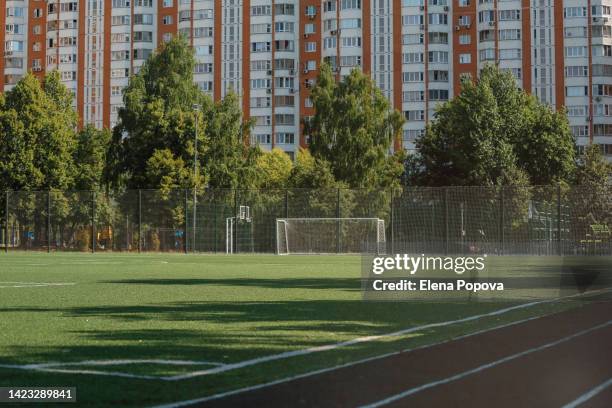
column 330, row 236
column 231, row 223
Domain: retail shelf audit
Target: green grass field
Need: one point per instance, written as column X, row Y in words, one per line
column 114, row 313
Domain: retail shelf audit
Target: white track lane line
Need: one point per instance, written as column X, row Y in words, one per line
column 588, row 395
column 352, row 363
column 483, row 367
column 358, row 340
column 126, row 362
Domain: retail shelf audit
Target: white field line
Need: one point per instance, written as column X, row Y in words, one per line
column 33, row 367
column 589, row 394
column 483, row 367
column 126, row 362
column 33, row 284
column 229, row 367
column 358, row 340
column 350, row 364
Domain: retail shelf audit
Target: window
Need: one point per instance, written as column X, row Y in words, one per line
column 510, row 53
column 578, row 51
column 410, row 19
column 486, row 16
column 261, row 28
column 487, row 54
column 576, row 71
column 413, row 96
column 438, row 18
column 570, row 32
column 438, row 38
column 329, row 42
column 464, row 21
column 351, row 42
column 168, row 3
column 580, row 131
column 577, row 110
column 167, row 20
column 509, row 15
column 284, row 27
column 284, row 9
column 284, row 100
column 260, row 65
column 510, row 34
column 261, row 10
column 285, row 138
column 438, row 76
column 576, row 90
column 570, row 12
column 310, row 46
column 261, row 83
column 284, row 119
column 413, row 76
column 408, row 39
column 465, row 58
column 203, row 68
column 438, row 57
column 465, row 39
column 415, row 115
column 261, row 102
column 261, row 138
column 284, row 45
column 413, row 57
column 144, row 19
column 347, row 23
column 309, row 28
column 263, row 46
column 350, row 4
column 438, row 94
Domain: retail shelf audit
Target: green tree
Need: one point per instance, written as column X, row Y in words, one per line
column 592, row 196
column 162, row 103
column 167, row 171
column 90, row 158
column 353, row 129
column 37, row 136
column 229, row 162
column 493, row 133
column 274, row 169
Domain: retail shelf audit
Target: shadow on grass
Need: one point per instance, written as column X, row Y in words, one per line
column 230, row 331
column 348, row 284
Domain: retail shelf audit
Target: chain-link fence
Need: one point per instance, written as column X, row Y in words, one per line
column 544, row 220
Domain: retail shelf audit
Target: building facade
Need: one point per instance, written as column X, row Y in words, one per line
column 269, row 52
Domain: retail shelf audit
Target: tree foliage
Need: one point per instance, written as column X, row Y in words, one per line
column 274, row 169
column 493, row 133
column 353, row 128
column 163, row 108
column 37, row 136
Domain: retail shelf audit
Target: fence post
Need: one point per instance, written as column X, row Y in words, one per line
column 6, row 215
column 392, row 221
column 214, row 203
column 139, row 220
column 446, row 227
column 186, row 218
column 93, row 222
column 338, row 222
column 502, row 221
column 286, row 203
column 48, row 221
column 559, row 251
column 235, row 227
column 193, row 224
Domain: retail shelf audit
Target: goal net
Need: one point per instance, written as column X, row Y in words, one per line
column 330, row 236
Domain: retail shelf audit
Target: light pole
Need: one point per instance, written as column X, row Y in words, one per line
column 196, row 109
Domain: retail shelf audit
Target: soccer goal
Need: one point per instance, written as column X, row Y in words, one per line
column 330, row 236
column 231, row 226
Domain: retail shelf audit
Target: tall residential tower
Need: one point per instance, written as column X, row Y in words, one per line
column 269, row 52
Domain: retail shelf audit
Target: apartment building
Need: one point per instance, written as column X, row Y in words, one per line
column 269, row 52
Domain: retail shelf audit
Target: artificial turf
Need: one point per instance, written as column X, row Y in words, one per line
column 204, row 308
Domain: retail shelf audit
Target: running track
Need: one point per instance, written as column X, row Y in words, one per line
column 552, row 361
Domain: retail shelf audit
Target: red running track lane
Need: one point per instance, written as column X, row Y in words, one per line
column 553, row 376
